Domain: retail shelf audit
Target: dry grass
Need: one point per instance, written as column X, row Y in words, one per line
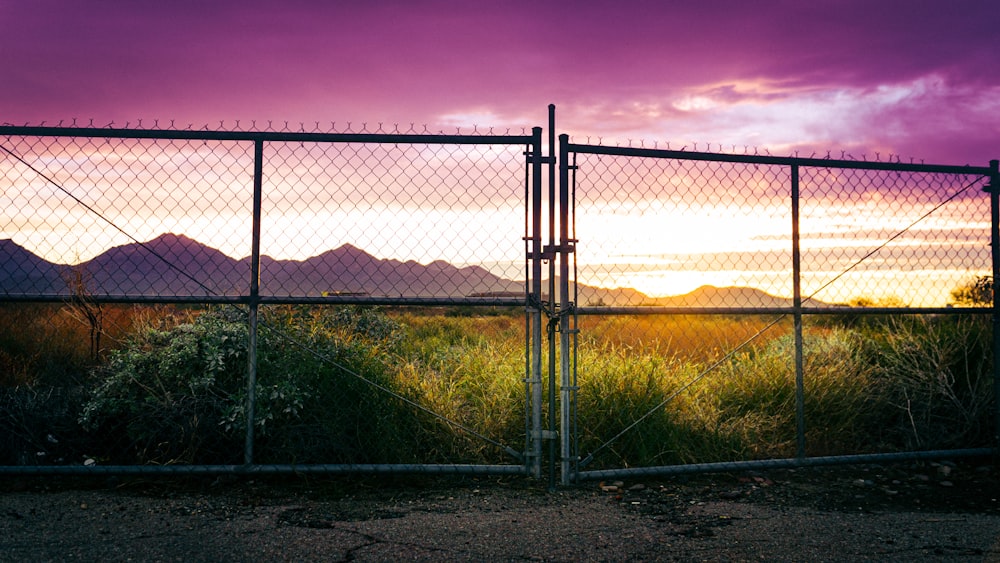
column 682, row 388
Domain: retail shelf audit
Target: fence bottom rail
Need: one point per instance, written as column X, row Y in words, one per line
column 258, row 470
column 785, row 463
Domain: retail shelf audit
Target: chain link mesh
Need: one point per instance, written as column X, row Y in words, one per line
column 393, row 220
column 706, row 243
column 694, row 233
column 892, row 238
column 172, row 218
column 80, row 206
column 686, row 288
column 92, row 222
column 669, row 228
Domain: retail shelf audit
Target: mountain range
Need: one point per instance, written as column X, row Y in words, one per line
column 175, row 265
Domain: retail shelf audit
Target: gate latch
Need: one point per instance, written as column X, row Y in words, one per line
column 550, row 250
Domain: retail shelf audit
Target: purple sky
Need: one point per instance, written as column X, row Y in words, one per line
column 918, row 79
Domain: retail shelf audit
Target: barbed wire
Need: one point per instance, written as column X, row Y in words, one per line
column 282, row 126
column 742, row 149
column 395, row 128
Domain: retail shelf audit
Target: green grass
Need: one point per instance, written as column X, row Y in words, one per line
column 340, row 385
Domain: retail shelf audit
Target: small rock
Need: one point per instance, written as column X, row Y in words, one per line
column 637, row 487
column 947, row 484
column 730, row 495
column 944, row 470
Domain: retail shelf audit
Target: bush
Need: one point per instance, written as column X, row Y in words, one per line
column 179, row 395
column 977, row 292
column 168, row 395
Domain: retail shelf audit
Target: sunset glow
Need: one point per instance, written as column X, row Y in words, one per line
column 890, row 82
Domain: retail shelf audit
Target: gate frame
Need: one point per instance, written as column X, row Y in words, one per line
column 571, row 463
column 530, row 458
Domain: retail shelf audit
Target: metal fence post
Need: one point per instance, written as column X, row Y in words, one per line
column 535, row 303
column 566, row 387
column 994, row 190
column 254, row 301
column 800, row 423
column 552, row 293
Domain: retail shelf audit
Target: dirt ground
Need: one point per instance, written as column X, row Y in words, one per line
column 905, row 512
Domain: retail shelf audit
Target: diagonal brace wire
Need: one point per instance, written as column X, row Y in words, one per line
column 590, row 457
column 319, row 355
column 104, row 218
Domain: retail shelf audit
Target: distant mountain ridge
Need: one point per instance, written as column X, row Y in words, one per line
column 175, row 265
column 725, row 297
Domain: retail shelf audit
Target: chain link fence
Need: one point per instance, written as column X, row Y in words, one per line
column 292, row 301
column 773, row 310
column 166, row 287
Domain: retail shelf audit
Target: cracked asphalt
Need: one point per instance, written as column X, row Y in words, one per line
column 911, row 513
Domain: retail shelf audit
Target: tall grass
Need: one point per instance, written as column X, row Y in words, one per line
column 889, row 384
column 357, row 385
column 686, row 337
column 469, row 370
column 934, row 377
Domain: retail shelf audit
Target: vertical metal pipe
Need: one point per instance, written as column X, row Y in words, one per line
column 994, row 189
column 565, row 385
column 254, row 301
column 800, row 418
column 528, row 311
column 536, row 302
column 552, row 294
column 574, row 430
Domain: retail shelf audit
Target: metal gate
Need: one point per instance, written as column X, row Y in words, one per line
column 583, row 252
column 462, row 198
column 641, row 203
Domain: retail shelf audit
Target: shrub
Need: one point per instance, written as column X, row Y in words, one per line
column 179, row 395
column 166, row 395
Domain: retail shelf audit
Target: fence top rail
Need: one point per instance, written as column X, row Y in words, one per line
column 779, row 160
column 276, row 136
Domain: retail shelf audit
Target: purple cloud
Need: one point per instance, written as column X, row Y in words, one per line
column 618, row 69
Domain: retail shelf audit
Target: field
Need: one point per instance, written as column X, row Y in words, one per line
column 127, row 384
